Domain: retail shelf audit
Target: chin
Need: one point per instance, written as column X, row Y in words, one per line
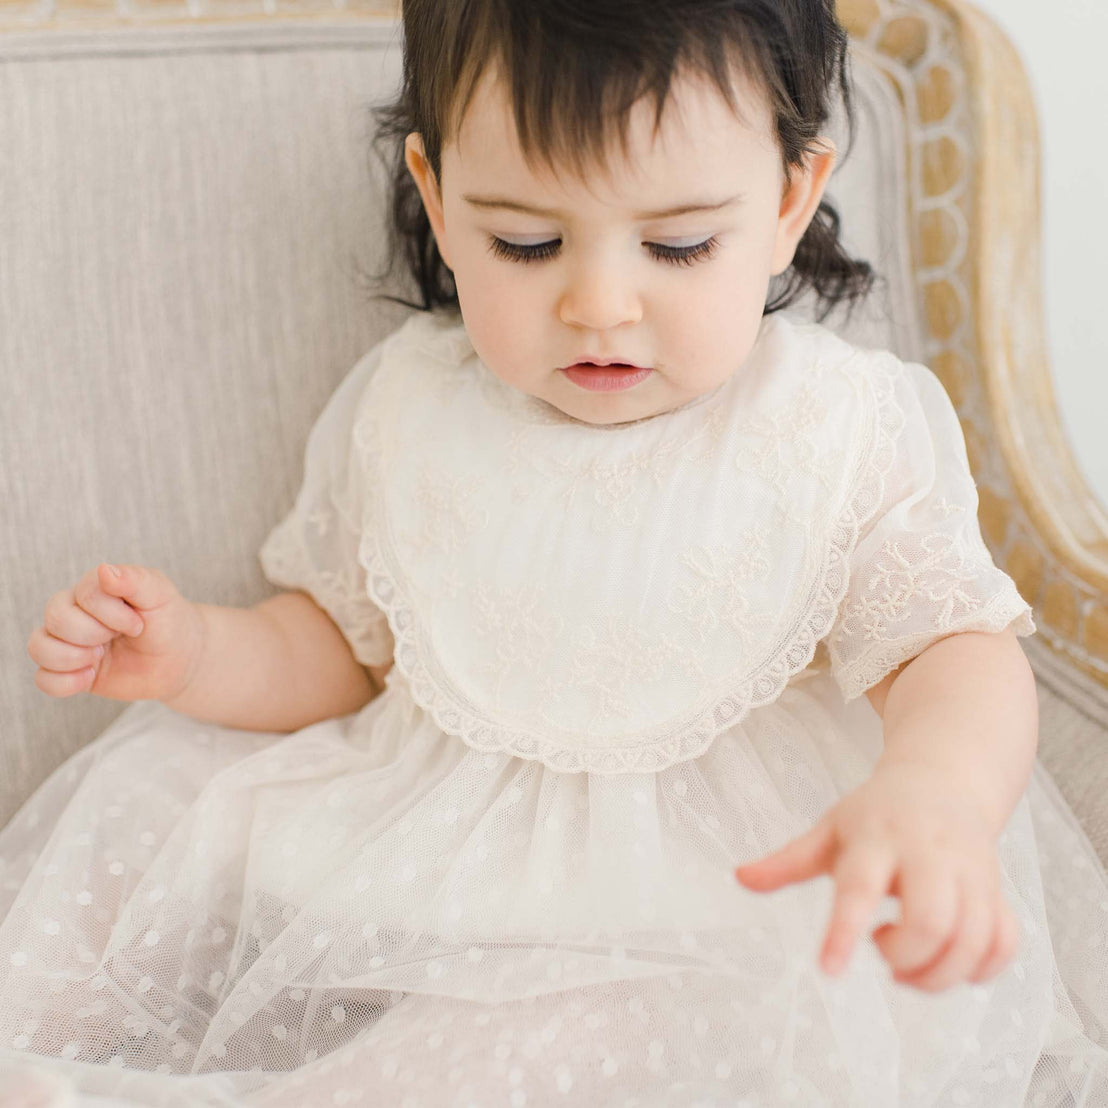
column 615, row 414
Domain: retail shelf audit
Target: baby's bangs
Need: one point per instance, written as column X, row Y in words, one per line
column 573, row 75
column 574, row 69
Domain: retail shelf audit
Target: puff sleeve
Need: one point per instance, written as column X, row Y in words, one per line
column 315, row 547
column 920, row 570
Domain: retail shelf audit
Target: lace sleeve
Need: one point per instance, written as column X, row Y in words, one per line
column 920, row 570
column 315, row 547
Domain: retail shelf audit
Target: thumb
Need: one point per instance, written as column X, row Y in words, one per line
column 142, row 587
column 805, row 857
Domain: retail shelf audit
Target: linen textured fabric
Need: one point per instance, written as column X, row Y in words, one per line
column 627, row 659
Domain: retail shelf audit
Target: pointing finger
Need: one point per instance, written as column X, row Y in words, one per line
column 805, row 857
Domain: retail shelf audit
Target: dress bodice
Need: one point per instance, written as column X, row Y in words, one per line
column 611, row 597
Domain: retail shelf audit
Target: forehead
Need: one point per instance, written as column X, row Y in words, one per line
column 699, row 138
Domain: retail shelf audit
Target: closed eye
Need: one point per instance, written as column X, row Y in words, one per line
column 676, row 255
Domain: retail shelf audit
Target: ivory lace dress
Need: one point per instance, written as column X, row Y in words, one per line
column 627, row 659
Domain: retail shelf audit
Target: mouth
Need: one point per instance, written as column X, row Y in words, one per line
column 606, row 376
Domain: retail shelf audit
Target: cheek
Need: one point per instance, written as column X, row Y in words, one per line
column 495, row 321
column 740, row 294
column 485, row 295
column 501, row 303
column 487, row 280
column 714, row 322
column 728, row 296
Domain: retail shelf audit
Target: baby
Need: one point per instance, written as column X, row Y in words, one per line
column 565, row 548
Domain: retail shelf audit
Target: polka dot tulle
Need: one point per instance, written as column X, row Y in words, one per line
column 368, row 912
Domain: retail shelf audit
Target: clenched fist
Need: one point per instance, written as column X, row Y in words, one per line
column 126, row 637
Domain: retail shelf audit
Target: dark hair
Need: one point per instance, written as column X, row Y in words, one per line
column 575, row 67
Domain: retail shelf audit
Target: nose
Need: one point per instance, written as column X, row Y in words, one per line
column 599, row 297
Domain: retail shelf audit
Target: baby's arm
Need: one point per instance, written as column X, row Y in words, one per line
column 967, row 706
column 127, row 633
column 961, row 732
column 278, row 666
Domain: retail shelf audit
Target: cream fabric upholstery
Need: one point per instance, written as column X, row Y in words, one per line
column 187, row 219
column 184, row 217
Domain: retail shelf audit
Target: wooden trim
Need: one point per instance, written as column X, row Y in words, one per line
column 1042, row 522
column 1009, row 314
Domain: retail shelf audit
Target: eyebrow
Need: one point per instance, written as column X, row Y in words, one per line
column 527, row 209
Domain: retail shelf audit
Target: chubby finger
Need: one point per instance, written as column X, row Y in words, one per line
column 98, row 593
column 143, row 587
column 862, row 877
column 930, row 903
column 1006, row 942
column 801, row 859
column 61, row 657
column 65, row 684
column 971, row 939
column 64, row 619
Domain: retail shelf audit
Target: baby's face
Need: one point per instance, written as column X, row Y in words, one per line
column 603, row 285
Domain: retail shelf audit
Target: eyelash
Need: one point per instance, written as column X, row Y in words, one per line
column 675, row 255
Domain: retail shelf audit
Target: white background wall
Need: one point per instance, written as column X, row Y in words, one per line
column 1063, row 45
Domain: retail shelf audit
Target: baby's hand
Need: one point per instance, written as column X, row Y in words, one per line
column 907, row 832
column 132, row 637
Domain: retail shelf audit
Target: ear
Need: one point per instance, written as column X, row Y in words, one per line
column 420, row 169
column 800, row 202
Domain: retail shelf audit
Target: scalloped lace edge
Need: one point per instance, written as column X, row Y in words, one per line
column 1006, row 608
column 452, row 715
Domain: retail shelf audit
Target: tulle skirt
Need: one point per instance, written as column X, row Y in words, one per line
column 369, row 912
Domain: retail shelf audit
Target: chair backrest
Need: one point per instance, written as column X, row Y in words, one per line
column 189, row 218
column 190, row 215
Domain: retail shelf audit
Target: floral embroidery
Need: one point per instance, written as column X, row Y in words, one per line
column 945, row 508
column 448, row 514
column 613, row 663
column 517, row 625
column 786, row 448
column 895, row 581
column 883, row 627
column 923, row 580
column 619, row 488
column 716, row 593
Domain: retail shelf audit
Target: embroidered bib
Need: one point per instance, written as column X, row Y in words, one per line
column 610, row 598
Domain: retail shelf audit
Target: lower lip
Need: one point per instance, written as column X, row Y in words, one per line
column 605, row 378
